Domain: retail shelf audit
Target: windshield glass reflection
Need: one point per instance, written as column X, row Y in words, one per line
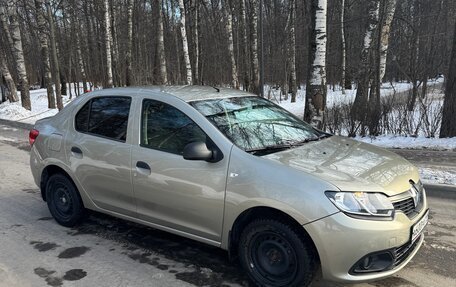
column 256, row 125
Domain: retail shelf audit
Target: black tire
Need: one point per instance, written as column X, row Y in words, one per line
column 64, row 201
column 274, row 254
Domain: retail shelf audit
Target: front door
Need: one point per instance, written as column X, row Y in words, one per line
column 179, row 194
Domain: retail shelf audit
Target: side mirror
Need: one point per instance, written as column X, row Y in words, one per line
column 197, row 151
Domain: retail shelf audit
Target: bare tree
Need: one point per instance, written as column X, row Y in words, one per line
column 254, row 46
column 244, row 45
column 108, row 42
column 19, row 55
column 77, row 36
column 379, row 66
column 359, row 109
column 161, row 45
column 5, row 26
column 114, row 45
column 229, row 32
column 188, row 66
column 316, row 88
column 128, row 70
column 389, row 9
column 293, row 81
column 55, row 59
column 342, row 39
column 196, row 42
column 4, row 71
column 448, row 127
column 40, row 19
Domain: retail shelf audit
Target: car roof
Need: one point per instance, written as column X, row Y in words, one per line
column 186, row 93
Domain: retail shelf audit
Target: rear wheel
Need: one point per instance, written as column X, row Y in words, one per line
column 274, row 254
column 64, row 201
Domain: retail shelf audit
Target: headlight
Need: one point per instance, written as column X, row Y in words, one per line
column 362, row 203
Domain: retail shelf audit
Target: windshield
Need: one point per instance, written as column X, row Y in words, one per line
column 256, row 124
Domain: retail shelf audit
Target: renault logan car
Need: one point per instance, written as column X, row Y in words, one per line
column 236, row 171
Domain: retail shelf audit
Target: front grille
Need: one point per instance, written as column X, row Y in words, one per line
column 402, row 253
column 407, row 206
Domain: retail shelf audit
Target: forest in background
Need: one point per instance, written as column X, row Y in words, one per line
column 239, row 43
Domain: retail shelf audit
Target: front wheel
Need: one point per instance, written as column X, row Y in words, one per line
column 274, row 254
column 64, row 201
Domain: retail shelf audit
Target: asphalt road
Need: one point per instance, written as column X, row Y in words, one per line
column 104, row 251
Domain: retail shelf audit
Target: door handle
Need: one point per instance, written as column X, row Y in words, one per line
column 142, row 165
column 77, row 152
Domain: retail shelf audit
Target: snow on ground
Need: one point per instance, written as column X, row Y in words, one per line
column 335, row 96
column 392, row 141
column 15, row 112
column 437, row 176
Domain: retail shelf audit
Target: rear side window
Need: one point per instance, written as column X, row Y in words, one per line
column 105, row 116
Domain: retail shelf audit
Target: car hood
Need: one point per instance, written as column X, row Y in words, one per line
column 351, row 165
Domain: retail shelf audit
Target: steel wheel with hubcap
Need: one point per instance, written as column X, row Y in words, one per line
column 274, row 254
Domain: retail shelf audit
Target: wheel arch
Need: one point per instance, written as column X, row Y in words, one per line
column 47, row 172
column 257, row 212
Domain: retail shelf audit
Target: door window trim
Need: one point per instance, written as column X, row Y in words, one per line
column 209, row 141
column 88, row 117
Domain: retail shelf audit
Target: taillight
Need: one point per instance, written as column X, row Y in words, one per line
column 32, row 136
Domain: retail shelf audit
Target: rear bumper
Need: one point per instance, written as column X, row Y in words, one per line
column 343, row 241
column 36, row 165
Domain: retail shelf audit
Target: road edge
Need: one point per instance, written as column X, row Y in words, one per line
column 15, row 124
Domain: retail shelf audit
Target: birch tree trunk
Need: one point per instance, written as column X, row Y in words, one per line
column 359, row 108
column 5, row 27
column 244, row 45
column 293, row 81
column 342, row 38
column 188, row 66
column 80, row 61
column 114, row 46
column 178, row 74
column 108, row 42
column 414, row 53
column 254, row 46
column 316, row 88
column 19, row 56
column 196, row 46
column 379, row 65
column 229, row 32
column 128, row 52
column 55, row 60
column 390, row 8
column 448, row 127
column 4, row 71
column 161, row 46
column 40, row 19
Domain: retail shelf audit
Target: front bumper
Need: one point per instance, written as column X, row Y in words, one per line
column 342, row 241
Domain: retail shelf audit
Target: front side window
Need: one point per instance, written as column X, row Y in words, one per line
column 256, row 125
column 105, row 116
column 163, row 127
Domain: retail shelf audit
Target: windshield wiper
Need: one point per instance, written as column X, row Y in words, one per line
column 280, row 147
column 276, row 148
column 269, row 149
column 322, row 136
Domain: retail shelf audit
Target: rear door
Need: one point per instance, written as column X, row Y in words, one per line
column 182, row 195
column 99, row 152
